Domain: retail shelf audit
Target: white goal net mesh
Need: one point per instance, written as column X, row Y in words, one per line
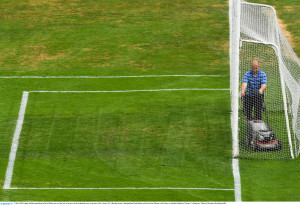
column 262, row 40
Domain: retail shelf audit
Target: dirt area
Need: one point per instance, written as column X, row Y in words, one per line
column 287, row 34
column 34, row 54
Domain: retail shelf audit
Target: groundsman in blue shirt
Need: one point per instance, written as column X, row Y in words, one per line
column 255, row 81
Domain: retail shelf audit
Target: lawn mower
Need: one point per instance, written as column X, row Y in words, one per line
column 260, row 136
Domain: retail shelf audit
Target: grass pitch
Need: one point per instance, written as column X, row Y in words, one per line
column 123, row 140
column 133, row 139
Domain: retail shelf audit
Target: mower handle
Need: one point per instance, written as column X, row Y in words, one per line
column 252, row 92
column 261, row 95
column 263, row 106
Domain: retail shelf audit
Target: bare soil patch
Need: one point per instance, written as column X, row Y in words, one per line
column 287, row 34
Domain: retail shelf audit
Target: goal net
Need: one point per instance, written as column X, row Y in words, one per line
column 263, row 126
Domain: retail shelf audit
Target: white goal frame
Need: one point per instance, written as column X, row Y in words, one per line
column 235, row 44
column 235, row 20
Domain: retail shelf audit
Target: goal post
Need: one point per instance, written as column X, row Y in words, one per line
column 255, row 35
column 234, row 19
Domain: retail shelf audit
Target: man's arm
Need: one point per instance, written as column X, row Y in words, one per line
column 262, row 88
column 244, row 86
column 263, row 84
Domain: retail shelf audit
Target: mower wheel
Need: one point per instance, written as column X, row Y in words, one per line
column 279, row 145
column 253, row 145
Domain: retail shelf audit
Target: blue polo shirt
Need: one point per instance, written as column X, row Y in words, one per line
column 254, row 83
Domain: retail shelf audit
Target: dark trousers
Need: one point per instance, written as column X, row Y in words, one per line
column 249, row 103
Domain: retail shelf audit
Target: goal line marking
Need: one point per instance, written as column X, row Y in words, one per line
column 237, row 180
column 127, row 188
column 135, row 76
column 15, row 141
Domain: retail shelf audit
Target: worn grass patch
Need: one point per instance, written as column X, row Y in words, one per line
column 109, row 37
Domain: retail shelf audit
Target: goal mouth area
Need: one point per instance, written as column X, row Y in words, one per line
column 255, row 35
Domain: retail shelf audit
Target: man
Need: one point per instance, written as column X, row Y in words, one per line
column 255, row 81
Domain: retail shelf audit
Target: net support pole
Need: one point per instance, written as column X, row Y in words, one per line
column 286, row 114
column 285, row 106
column 282, row 80
column 234, row 19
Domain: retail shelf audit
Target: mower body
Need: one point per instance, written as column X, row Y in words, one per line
column 260, row 137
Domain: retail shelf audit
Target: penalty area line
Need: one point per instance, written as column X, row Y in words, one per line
column 127, row 91
column 127, row 188
column 137, row 76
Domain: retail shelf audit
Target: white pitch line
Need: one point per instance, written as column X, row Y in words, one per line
column 137, row 76
column 127, row 91
column 237, row 180
column 130, row 188
column 14, row 146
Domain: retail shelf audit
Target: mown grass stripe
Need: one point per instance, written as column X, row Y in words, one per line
column 10, row 167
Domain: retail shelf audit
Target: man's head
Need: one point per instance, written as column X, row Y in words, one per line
column 255, row 66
